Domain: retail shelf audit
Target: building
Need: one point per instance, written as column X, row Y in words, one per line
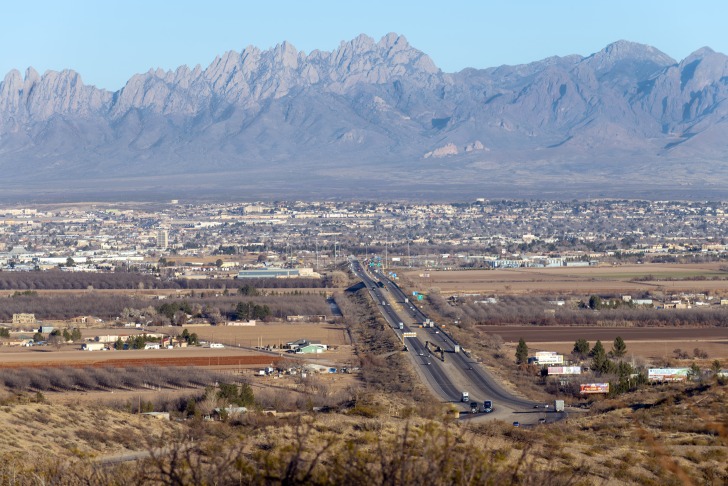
column 162, row 239
column 312, row 349
column 269, row 273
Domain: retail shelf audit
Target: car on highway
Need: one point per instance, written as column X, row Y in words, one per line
column 516, row 424
column 542, row 420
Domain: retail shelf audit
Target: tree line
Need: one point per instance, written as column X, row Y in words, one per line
column 109, row 307
column 57, row 280
column 531, row 310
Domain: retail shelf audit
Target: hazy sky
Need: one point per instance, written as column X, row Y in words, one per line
column 109, row 41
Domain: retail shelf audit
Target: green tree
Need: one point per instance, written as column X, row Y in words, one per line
column 694, row 372
column 715, row 367
column 595, row 302
column 248, row 290
column 119, row 345
column 66, row 335
column 619, row 348
column 581, row 348
column 76, row 334
column 4, row 332
column 37, row 337
column 600, row 362
column 521, row 352
column 218, row 263
column 70, row 262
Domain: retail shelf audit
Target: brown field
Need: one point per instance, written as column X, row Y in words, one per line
column 650, row 343
column 579, row 280
column 269, row 334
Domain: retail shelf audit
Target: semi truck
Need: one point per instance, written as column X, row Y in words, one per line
column 558, row 405
column 488, row 406
column 465, row 397
column 93, row 346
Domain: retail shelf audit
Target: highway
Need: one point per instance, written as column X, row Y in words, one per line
column 448, row 378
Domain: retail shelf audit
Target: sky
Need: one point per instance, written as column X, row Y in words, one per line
column 108, row 41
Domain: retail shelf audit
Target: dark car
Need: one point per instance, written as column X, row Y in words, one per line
column 516, row 424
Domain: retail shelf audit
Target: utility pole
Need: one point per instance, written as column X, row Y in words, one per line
column 409, row 259
column 317, row 254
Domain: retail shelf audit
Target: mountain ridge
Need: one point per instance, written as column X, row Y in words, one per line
column 281, row 117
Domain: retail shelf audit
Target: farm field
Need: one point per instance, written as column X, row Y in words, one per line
column 269, row 334
column 643, row 342
column 579, row 280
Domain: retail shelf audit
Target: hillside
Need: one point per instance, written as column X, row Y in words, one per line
column 373, row 119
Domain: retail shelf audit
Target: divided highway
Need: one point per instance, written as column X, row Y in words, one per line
column 458, row 372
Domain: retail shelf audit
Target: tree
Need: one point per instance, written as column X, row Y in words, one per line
column 248, row 290
column 715, row 367
column 600, row 362
column 76, row 334
column 521, row 352
column 37, row 337
column 581, row 348
column 595, row 302
column 694, row 372
column 70, row 262
column 56, row 340
column 218, row 263
column 4, row 332
column 619, row 348
column 119, row 345
column 66, row 335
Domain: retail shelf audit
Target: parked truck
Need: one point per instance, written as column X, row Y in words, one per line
column 93, row 346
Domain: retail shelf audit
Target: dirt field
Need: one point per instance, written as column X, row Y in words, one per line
column 649, row 343
column 579, row 280
column 269, row 334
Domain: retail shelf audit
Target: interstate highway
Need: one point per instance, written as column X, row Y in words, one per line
column 459, row 372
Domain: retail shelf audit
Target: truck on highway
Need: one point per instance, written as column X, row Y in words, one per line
column 558, row 405
column 465, row 397
column 487, row 406
column 401, row 325
column 473, row 407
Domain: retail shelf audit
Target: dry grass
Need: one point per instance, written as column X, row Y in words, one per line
column 579, row 280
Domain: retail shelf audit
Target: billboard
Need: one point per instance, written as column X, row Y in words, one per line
column 564, row 370
column 546, row 358
column 667, row 374
column 594, row 388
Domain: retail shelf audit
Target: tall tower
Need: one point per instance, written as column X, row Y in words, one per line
column 162, row 238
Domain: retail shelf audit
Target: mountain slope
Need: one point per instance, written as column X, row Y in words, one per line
column 373, row 118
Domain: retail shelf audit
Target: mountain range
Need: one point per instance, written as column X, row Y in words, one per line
column 373, row 120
